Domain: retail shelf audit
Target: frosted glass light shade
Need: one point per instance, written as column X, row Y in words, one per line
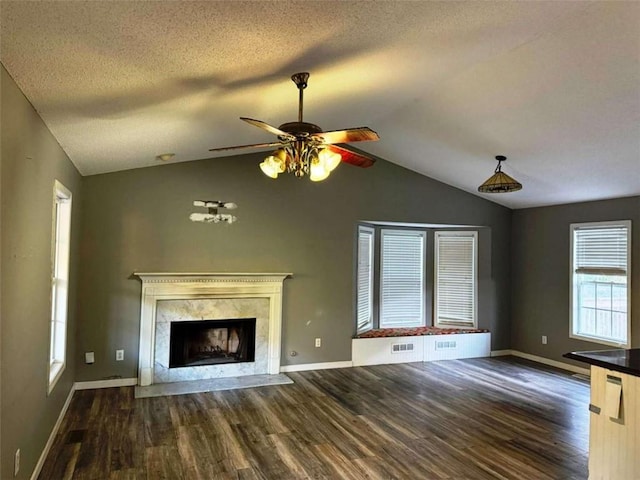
column 329, row 159
column 212, row 217
column 274, row 164
column 318, row 171
column 269, row 169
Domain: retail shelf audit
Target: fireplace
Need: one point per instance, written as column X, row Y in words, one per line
column 170, row 298
column 212, row 342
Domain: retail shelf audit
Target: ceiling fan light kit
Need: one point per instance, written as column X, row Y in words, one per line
column 304, row 149
column 318, row 163
column 500, row 182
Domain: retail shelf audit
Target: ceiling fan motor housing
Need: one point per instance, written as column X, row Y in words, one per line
column 300, row 129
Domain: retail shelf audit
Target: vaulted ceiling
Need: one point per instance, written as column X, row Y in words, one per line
column 554, row 86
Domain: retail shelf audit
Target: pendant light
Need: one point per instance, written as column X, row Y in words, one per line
column 500, row 182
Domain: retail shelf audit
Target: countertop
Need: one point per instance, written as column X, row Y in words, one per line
column 625, row 361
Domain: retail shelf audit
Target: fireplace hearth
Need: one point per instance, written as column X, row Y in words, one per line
column 212, row 342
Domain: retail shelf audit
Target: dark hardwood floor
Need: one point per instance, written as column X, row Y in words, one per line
column 494, row 418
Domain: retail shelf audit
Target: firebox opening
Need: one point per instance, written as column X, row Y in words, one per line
column 212, row 342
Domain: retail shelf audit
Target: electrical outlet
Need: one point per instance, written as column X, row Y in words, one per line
column 544, row 339
column 16, row 463
column 318, row 342
column 89, row 357
column 119, row 355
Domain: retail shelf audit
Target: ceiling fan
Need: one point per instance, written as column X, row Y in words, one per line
column 304, row 148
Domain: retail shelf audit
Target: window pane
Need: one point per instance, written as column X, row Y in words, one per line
column 402, row 279
column 603, row 323
column 619, row 298
column 600, row 275
column 619, row 325
column 603, row 296
column 61, row 239
column 455, row 278
column 587, row 321
column 588, row 294
column 365, row 279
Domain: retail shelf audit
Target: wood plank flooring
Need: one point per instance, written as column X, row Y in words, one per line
column 499, row 418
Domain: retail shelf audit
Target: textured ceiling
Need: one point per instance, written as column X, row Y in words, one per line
column 554, row 86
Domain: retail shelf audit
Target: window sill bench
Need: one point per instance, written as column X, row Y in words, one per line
column 421, row 344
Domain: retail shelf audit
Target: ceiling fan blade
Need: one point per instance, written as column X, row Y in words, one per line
column 268, row 128
column 352, row 158
column 360, row 134
column 253, row 145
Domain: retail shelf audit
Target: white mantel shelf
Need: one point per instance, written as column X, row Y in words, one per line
column 157, row 286
column 167, row 277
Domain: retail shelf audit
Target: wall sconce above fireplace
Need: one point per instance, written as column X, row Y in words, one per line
column 212, row 215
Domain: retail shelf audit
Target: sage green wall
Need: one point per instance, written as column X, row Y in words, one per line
column 31, row 160
column 138, row 220
column 540, row 273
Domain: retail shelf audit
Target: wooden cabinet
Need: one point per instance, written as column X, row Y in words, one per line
column 614, row 429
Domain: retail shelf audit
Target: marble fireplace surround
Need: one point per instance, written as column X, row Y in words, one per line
column 158, row 287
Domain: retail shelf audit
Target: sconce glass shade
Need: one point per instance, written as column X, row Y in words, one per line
column 500, row 182
column 212, row 218
column 212, row 215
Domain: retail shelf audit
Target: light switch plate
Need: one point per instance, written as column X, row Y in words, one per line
column 89, row 357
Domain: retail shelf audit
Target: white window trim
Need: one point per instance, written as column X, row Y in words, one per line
column 417, row 233
column 572, row 286
column 57, row 366
column 369, row 231
column 453, row 324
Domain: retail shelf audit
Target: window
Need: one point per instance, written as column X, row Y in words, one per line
column 365, row 279
column 600, row 278
column 402, row 288
column 61, row 243
column 455, row 278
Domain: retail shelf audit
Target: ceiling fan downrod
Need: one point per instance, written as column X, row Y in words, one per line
column 300, row 79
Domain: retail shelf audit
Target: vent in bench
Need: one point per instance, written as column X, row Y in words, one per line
column 445, row 345
column 401, row 347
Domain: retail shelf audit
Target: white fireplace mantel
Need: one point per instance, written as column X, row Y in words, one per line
column 158, row 286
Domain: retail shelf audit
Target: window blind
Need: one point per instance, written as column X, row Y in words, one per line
column 402, row 279
column 365, row 279
column 601, row 249
column 455, row 292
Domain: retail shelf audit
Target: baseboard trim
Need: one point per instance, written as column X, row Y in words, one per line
column 315, row 366
column 552, row 363
column 494, row 353
column 114, row 382
column 501, row 353
column 52, row 436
